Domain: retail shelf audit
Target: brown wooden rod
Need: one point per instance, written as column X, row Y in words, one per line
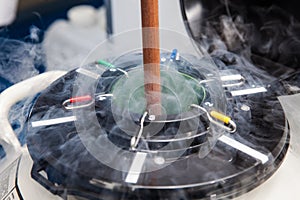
column 151, row 55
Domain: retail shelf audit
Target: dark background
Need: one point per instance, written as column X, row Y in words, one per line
column 40, row 13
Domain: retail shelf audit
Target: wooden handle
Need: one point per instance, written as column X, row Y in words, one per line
column 151, row 55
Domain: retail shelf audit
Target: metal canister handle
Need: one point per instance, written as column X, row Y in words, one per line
column 229, row 126
column 86, row 101
column 69, row 103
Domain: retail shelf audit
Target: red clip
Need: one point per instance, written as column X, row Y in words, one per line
column 80, row 99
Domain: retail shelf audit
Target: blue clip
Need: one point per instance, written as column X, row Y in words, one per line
column 173, row 54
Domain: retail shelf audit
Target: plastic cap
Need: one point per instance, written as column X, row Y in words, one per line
column 7, row 11
column 83, row 16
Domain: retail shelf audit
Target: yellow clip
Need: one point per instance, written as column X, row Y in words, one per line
column 220, row 117
column 214, row 114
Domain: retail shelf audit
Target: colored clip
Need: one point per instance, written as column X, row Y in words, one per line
column 220, row 117
column 112, row 67
column 173, row 54
column 78, row 102
column 105, row 63
column 83, row 101
column 230, row 125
